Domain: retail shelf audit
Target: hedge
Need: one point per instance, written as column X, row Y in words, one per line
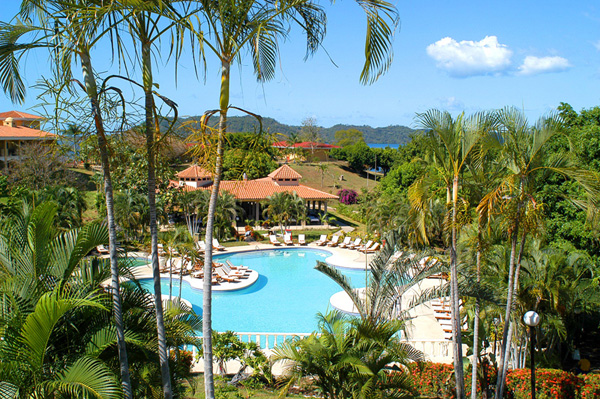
column 436, row 380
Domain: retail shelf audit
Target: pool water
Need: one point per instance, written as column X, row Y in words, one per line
column 285, row 299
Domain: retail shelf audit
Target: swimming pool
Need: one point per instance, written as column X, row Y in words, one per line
column 285, row 299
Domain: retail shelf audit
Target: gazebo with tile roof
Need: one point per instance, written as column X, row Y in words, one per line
column 250, row 193
column 18, row 129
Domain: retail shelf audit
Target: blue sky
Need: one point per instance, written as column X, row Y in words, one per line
column 452, row 55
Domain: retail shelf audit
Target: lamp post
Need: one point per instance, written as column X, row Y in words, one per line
column 532, row 319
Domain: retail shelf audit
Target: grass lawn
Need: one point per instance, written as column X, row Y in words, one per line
column 91, row 213
column 311, row 176
column 223, row 390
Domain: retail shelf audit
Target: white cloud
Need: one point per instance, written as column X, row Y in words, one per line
column 596, row 44
column 469, row 58
column 535, row 65
column 451, row 103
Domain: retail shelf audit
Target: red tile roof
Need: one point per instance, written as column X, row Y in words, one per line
column 258, row 190
column 284, row 172
column 21, row 132
column 305, row 144
column 18, row 115
column 194, row 171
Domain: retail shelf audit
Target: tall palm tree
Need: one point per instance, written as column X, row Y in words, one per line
column 450, row 143
column 68, row 41
column 234, row 27
column 523, row 149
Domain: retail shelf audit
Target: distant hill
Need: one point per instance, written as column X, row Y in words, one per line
column 394, row 134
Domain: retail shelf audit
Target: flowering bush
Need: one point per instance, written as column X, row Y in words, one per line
column 437, row 379
column 347, row 196
column 591, row 386
column 549, row 384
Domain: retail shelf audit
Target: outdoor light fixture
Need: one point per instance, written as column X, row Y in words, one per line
column 532, row 319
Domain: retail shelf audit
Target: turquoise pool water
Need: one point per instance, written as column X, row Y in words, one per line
column 285, row 299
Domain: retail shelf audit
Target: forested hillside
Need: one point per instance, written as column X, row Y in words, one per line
column 394, row 134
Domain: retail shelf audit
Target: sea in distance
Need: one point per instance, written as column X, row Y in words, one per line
column 376, row 145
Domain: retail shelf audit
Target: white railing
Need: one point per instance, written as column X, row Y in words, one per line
column 434, row 349
column 268, row 340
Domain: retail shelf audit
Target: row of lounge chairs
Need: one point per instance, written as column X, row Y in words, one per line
column 287, row 239
column 369, row 247
column 220, row 271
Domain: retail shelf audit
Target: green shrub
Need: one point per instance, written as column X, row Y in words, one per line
column 3, row 186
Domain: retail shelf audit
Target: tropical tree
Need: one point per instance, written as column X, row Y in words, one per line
column 524, row 151
column 49, row 26
column 283, row 207
column 450, row 143
column 227, row 213
column 348, row 358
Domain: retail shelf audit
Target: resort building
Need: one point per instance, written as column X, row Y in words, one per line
column 18, row 129
column 307, row 149
column 250, row 193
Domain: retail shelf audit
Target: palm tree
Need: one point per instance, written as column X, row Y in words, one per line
column 347, row 358
column 523, row 150
column 67, row 42
column 450, row 144
column 282, row 207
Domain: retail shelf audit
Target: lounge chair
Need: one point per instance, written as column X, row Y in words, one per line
column 217, row 245
column 234, row 273
column 301, row 239
column 274, row 240
column 363, row 247
column 334, row 241
column 287, row 239
column 224, row 276
column 355, row 244
column 346, row 242
column 374, row 248
column 233, row 267
column 102, row 250
column 322, row 241
column 201, row 247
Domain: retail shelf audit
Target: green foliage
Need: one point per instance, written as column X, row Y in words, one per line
column 3, row 186
column 255, row 164
column 348, row 358
column 282, row 207
column 345, row 138
column 358, row 155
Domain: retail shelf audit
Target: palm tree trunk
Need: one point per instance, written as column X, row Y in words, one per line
column 509, row 304
column 454, row 298
column 92, row 92
column 150, row 130
column 209, row 386
column 476, row 324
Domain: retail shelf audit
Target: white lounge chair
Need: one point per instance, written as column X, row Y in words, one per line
column 217, row 245
column 224, row 276
column 102, row 250
column 374, row 247
column 274, row 240
column 322, row 241
column 234, row 273
column 363, row 247
column 334, row 241
column 233, row 267
column 346, row 242
column 301, row 239
column 287, row 239
column 355, row 244
column 201, row 246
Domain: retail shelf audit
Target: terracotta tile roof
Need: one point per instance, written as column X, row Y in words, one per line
column 305, row 144
column 285, row 172
column 194, row 171
column 18, row 115
column 21, row 132
column 258, row 190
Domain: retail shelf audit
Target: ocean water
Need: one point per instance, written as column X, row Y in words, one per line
column 375, row 145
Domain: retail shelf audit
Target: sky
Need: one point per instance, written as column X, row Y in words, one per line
column 450, row 55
